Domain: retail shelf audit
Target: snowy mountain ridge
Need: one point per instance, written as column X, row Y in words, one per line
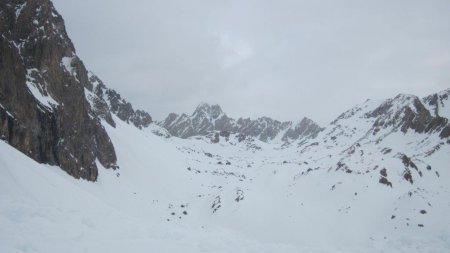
column 438, row 103
column 208, row 118
column 44, row 113
column 104, row 100
column 51, row 106
column 350, row 189
column 374, row 180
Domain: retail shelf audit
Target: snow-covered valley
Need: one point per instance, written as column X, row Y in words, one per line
column 82, row 170
column 242, row 195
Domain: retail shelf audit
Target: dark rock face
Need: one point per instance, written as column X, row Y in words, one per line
column 203, row 121
column 209, row 118
column 98, row 105
column 385, row 181
column 445, row 132
column 44, row 112
column 264, row 128
column 306, row 127
column 105, row 100
column 438, row 102
column 406, row 112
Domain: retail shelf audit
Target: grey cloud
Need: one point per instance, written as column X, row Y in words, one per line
column 285, row 59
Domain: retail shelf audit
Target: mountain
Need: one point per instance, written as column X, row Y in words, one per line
column 208, row 118
column 374, row 180
column 104, row 101
column 438, row 104
column 375, row 135
column 51, row 107
column 359, row 186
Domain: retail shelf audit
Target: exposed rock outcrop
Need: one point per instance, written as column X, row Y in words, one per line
column 105, row 101
column 209, row 118
column 406, row 112
column 439, row 103
column 43, row 110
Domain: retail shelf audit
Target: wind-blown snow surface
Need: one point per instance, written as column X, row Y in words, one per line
column 177, row 195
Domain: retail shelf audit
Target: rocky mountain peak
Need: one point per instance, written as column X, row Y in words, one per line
column 438, row 103
column 43, row 111
column 304, row 121
column 105, row 100
column 305, row 128
column 405, row 112
column 51, row 107
column 213, row 111
column 208, row 118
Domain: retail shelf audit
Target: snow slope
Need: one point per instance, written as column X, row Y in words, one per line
column 192, row 195
column 374, row 180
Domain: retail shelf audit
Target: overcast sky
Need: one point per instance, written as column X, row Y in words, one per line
column 283, row 59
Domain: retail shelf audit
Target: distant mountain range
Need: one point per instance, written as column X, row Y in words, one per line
column 208, row 118
column 52, row 108
column 377, row 176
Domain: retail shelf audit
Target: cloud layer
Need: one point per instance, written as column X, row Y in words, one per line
column 285, row 59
